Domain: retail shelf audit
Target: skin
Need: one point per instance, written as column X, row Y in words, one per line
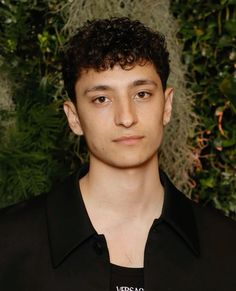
column 122, row 114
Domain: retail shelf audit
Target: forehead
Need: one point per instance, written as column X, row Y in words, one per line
column 118, row 76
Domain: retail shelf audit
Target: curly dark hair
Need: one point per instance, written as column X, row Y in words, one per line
column 101, row 44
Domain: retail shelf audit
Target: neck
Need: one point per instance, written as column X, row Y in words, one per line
column 132, row 192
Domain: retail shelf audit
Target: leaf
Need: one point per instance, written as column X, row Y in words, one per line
column 228, row 88
column 228, row 143
column 230, row 26
column 208, row 182
column 225, row 41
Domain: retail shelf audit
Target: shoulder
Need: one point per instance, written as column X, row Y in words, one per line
column 216, row 232
column 32, row 213
column 21, row 219
column 211, row 220
column 22, row 210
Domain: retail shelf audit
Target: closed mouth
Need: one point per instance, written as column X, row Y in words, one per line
column 128, row 139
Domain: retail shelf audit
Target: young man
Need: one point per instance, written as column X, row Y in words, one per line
column 118, row 224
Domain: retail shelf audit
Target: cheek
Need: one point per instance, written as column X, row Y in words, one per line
column 153, row 118
column 94, row 133
column 153, row 110
column 154, row 126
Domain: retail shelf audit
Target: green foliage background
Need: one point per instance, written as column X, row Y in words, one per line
column 208, row 33
column 36, row 146
column 36, row 149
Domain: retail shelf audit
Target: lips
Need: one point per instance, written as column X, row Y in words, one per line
column 128, row 140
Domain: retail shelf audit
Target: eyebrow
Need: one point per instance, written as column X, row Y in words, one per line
column 97, row 88
column 144, row 82
column 133, row 84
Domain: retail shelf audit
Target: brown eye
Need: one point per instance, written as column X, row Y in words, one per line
column 101, row 99
column 143, row 94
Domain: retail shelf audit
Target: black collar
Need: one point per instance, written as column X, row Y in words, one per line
column 69, row 224
column 178, row 213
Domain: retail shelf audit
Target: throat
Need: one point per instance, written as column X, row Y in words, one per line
column 131, row 202
column 129, row 193
column 126, row 244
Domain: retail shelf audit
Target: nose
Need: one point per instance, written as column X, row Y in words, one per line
column 125, row 113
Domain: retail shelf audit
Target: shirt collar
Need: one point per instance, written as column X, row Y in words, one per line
column 69, row 224
column 178, row 212
column 68, row 221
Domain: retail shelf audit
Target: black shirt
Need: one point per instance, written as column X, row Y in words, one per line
column 49, row 243
column 126, row 279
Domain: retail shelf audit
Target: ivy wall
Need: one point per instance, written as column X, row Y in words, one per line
column 208, row 33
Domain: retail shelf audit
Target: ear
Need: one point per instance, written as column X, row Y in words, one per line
column 169, row 92
column 72, row 117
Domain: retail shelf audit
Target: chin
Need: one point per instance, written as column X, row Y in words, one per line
column 130, row 162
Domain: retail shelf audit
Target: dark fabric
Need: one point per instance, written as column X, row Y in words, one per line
column 48, row 243
column 126, row 279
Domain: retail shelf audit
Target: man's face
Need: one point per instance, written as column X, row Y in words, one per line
column 121, row 114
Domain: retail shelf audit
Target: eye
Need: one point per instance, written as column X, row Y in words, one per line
column 142, row 95
column 100, row 100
